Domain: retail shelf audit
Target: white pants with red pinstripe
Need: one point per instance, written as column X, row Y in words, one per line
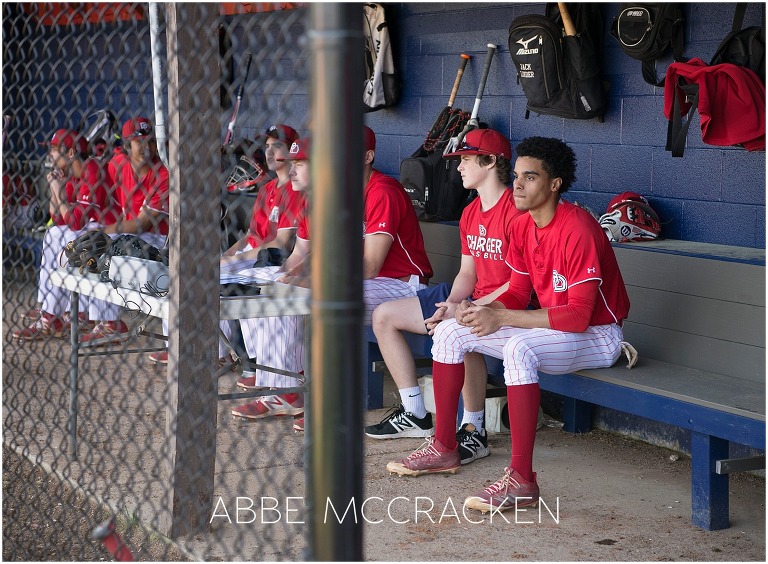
column 526, row 351
column 278, row 342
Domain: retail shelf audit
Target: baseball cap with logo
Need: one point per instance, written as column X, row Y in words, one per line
column 284, row 133
column 68, row 139
column 299, row 150
column 137, row 127
column 483, row 142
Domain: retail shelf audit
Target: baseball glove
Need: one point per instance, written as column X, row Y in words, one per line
column 86, row 250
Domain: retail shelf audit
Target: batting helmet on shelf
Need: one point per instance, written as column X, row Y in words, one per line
column 630, row 217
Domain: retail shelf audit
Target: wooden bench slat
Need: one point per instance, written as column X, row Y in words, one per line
column 727, row 281
column 717, row 319
column 743, row 398
column 721, row 357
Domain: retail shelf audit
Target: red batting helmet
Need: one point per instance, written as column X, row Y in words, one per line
column 630, row 217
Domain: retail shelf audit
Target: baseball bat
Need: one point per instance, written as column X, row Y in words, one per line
column 570, row 29
column 473, row 123
column 459, row 74
column 233, row 119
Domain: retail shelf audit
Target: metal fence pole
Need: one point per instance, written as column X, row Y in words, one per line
column 335, row 469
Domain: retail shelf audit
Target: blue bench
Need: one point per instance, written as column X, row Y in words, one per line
column 698, row 322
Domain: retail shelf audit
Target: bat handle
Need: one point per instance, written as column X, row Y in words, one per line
column 483, row 80
column 459, row 74
column 570, row 29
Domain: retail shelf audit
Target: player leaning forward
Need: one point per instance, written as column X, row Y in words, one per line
column 561, row 252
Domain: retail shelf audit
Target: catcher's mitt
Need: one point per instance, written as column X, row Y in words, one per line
column 86, row 250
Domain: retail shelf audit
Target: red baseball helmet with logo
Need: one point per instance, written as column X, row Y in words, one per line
column 630, row 217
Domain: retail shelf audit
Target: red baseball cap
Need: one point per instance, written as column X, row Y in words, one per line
column 369, row 139
column 137, row 127
column 281, row 132
column 483, row 142
column 299, row 150
column 69, row 139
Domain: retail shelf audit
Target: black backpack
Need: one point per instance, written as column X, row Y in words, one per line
column 646, row 31
column 743, row 47
column 559, row 73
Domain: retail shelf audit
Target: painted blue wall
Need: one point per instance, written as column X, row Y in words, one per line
column 712, row 194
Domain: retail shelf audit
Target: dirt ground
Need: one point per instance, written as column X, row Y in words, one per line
column 609, row 498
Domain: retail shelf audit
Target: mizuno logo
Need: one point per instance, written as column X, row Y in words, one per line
column 525, row 42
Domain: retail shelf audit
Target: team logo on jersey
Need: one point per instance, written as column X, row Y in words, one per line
column 482, row 246
column 559, row 283
column 483, row 231
column 591, row 270
column 275, row 215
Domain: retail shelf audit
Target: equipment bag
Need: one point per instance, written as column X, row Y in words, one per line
column 646, row 31
column 730, row 100
column 435, row 187
column 381, row 87
column 560, row 74
column 743, row 47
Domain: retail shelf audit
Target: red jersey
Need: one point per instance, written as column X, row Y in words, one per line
column 388, row 209
column 571, row 250
column 302, row 229
column 150, row 191
column 485, row 235
column 276, row 207
column 91, row 197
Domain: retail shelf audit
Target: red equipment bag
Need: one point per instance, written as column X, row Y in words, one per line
column 730, row 100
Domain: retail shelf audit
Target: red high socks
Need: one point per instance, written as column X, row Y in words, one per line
column 447, row 380
column 523, row 407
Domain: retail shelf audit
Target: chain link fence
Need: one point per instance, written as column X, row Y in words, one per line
column 118, row 430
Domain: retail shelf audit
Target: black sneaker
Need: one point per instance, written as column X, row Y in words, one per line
column 399, row 423
column 473, row 444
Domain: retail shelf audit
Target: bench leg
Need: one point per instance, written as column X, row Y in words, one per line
column 374, row 381
column 577, row 416
column 709, row 490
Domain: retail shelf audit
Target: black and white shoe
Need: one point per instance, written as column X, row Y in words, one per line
column 473, row 443
column 399, row 423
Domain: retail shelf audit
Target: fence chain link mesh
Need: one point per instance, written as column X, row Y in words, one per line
column 70, row 66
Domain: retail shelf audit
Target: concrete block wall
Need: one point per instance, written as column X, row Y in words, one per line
column 711, row 195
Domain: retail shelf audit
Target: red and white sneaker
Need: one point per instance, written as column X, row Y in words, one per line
column 285, row 404
column 249, row 383
column 48, row 325
column 511, row 491
column 431, row 458
column 105, row 330
column 83, row 323
column 159, row 357
column 298, row 423
column 32, row 315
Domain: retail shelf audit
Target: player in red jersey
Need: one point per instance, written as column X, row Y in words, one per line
column 278, row 342
column 562, row 253
column 276, row 209
column 485, row 230
column 142, row 193
column 81, row 199
column 395, row 264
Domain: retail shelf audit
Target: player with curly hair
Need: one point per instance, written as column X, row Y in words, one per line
column 561, row 252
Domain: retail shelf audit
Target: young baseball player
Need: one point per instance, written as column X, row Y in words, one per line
column 81, row 199
column 142, row 193
column 560, row 252
column 485, row 231
column 278, row 342
column 395, row 265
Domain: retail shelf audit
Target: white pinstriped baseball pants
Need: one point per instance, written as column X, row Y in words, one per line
column 278, row 342
column 526, row 351
column 55, row 299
